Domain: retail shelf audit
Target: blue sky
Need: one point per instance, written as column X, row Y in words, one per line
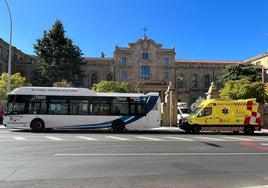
column 198, row 29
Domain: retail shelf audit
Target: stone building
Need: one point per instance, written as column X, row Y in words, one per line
column 145, row 64
column 20, row 62
column 149, row 67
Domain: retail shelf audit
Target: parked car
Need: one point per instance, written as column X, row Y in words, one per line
column 182, row 113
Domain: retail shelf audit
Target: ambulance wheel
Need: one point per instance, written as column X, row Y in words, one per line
column 196, row 129
column 118, row 126
column 37, row 125
column 249, row 130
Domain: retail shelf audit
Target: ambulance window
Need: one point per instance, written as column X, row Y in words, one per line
column 207, row 111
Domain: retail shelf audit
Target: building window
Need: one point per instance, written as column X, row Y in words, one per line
column 166, row 61
column 123, row 75
column 145, row 55
column 193, row 81
column 145, row 72
column 180, row 81
column 1, row 50
column 93, row 78
column 207, row 81
column 109, row 77
column 166, row 75
column 124, row 60
column 219, row 83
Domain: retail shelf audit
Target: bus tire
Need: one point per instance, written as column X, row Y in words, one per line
column 249, row 130
column 118, row 126
column 37, row 125
column 196, row 129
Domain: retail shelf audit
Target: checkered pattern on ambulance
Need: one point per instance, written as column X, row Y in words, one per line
column 220, row 128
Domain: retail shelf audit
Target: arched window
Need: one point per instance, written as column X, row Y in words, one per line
column 207, row 81
column 109, row 77
column 180, row 79
column 93, row 78
column 193, row 81
column 219, row 83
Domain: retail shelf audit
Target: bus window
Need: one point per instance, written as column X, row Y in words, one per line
column 78, row 107
column 37, row 106
column 137, row 108
column 59, row 107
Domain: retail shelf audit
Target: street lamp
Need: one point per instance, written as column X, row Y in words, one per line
column 9, row 51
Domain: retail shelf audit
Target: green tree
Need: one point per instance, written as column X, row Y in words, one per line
column 111, row 86
column 57, row 58
column 197, row 103
column 240, row 71
column 63, row 83
column 243, row 89
column 16, row 81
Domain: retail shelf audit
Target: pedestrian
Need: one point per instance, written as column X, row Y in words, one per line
column 1, row 116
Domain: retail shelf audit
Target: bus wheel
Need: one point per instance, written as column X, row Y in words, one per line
column 249, row 130
column 196, row 129
column 37, row 125
column 118, row 126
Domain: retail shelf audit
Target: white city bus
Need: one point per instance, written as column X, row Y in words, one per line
column 42, row 108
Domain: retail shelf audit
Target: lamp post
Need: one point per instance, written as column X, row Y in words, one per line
column 9, row 51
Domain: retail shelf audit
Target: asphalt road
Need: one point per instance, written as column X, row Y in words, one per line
column 134, row 159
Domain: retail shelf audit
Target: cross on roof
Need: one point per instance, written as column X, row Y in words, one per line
column 145, row 30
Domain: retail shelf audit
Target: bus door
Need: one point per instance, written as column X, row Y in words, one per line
column 155, row 116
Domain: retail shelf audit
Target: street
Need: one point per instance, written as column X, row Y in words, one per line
column 62, row 158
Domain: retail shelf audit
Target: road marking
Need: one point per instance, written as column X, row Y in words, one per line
column 156, row 154
column 86, row 138
column 179, row 138
column 19, row 138
column 117, row 138
column 208, row 138
column 53, row 138
column 236, row 138
column 149, row 138
column 257, row 186
column 259, row 138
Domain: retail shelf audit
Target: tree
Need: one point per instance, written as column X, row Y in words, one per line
column 243, row 89
column 240, row 71
column 57, row 58
column 63, row 83
column 16, row 81
column 111, row 86
column 197, row 102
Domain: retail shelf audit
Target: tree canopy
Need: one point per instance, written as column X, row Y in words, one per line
column 243, row 89
column 111, row 86
column 16, row 81
column 240, row 71
column 57, row 58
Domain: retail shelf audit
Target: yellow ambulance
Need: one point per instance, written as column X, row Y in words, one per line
column 224, row 115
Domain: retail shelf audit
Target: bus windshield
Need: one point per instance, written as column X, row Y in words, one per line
column 16, row 104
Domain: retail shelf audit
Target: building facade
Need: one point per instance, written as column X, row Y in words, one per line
column 145, row 64
column 150, row 68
